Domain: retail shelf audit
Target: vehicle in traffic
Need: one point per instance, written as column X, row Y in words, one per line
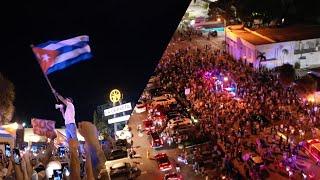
column 173, row 115
column 184, row 128
column 173, row 176
column 178, row 121
column 120, row 169
column 158, row 120
column 148, row 125
column 163, row 162
column 312, row 148
column 124, row 134
column 122, row 143
column 163, row 101
column 123, row 170
column 156, row 141
column 140, row 107
column 117, row 153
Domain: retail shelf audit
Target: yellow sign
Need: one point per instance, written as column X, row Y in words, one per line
column 115, row 96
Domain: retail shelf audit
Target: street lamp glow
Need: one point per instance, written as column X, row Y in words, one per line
column 219, row 19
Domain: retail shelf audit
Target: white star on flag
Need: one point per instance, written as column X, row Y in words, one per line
column 45, row 57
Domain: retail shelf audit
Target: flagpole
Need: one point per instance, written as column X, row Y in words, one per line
column 45, row 75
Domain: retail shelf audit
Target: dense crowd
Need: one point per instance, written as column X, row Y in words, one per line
column 231, row 119
column 47, row 163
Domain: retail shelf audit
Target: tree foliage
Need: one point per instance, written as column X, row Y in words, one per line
column 306, row 85
column 7, row 96
column 287, row 74
column 101, row 124
column 267, row 10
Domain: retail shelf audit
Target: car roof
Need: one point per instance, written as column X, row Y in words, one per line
column 161, row 155
column 118, row 165
column 155, row 135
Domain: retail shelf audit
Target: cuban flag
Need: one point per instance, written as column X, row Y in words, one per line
column 57, row 55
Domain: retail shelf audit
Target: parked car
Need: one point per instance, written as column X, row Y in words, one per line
column 148, row 125
column 117, row 153
column 163, row 101
column 163, row 162
column 178, row 121
column 124, row 134
column 173, row 114
column 156, row 141
column 123, row 170
column 173, row 176
column 140, row 107
column 122, row 143
column 120, row 169
column 183, row 128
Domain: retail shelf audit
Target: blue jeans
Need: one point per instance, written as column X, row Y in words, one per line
column 71, row 131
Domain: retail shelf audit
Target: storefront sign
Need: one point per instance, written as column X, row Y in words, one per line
column 118, row 109
column 118, row 119
column 115, row 96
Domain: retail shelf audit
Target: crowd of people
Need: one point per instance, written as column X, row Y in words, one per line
column 48, row 162
column 229, row 118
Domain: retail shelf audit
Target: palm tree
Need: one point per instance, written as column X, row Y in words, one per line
column 261, row 56
column 7, row 97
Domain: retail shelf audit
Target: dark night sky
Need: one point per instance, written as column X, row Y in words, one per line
column 127, row 39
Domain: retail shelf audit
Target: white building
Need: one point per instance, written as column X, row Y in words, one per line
column 298, row 43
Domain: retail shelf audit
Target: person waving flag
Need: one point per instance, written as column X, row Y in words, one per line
column 57, row 55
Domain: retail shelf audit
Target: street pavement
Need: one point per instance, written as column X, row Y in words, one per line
column 149, row 167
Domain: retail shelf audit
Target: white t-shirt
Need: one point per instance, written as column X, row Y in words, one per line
column 69, row 114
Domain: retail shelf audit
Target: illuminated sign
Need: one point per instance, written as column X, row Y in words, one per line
column 118, row 119
column 118, row 109
column 115, row 96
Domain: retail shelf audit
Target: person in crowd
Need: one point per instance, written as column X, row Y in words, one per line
column 68, row 115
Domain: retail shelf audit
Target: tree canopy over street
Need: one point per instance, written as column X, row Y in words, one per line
column 269, row 10
column 306, row 85
column 287, row 74
column 7, row 96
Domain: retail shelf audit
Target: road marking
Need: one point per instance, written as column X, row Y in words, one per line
column 144, row 172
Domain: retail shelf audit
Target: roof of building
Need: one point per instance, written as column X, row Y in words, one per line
column 272, row 35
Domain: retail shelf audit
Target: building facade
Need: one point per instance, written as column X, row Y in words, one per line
column 273, row 47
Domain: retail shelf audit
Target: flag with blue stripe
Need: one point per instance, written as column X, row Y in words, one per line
column 57, row 55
